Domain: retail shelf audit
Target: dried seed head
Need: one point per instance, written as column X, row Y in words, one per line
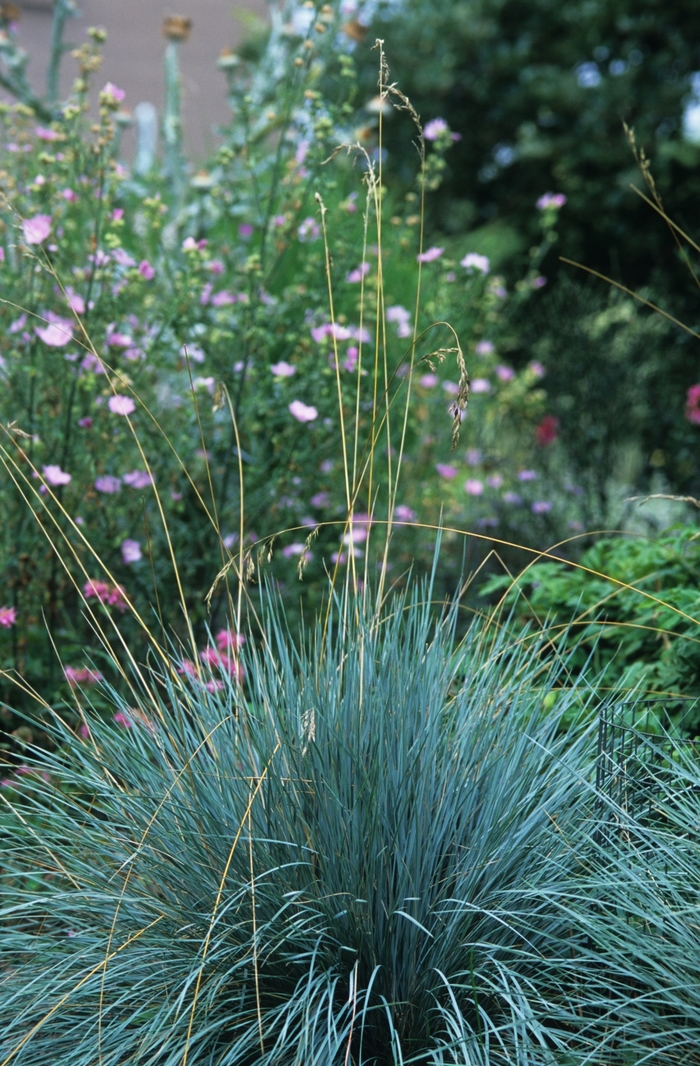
column 177, row 27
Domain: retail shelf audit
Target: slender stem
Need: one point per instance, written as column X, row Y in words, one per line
column 172, row 119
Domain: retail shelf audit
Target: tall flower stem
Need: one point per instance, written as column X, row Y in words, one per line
column 63, row 10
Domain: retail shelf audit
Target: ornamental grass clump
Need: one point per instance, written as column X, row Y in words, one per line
column 365, row 854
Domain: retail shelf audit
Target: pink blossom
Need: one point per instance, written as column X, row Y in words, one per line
column 434, row 128
column 69, row 195
column 308, row 231
column 541, row 507
column 245, row 230
column 146, row 270
column 692, row 404
column 536, row 368
column 430, row 255
column 446, row 470
column 226, row 639
column 113, row 94
column 291, row 550
column 57, row 334
column 539, row 282
column 8, row 617
column 35, row 230
column 214, row 685
column 108, row 484
column 81, row 676
column 215, row 266
column 484, row 348
column 550, row 199
column 404, row 513
column 427, row 381
column 350, row 361
column 527, row 475
column 473, row 261
column 474, row 456
column 223, row 299
column 114, row 339
column 188, row 668
column 45, row 134
column 505, row 373
column 473, row 487
column 75, row 301
column 495, row 481
column 121, row 405
column 282, row 369
column 18, row 324
column 321, row 499
column 131, row 551
column 192, row 352
column 122, row 258
column 302, row 412
column 55, row 476
column 451, row 388
column 205, row 296
column 138, row 479
column 480, row 385
column 92, row 363
column 547, row 431
column 358, row 273
column 98, row 590
column 121, row 719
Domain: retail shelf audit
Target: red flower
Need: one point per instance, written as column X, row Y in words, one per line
column 547, row 431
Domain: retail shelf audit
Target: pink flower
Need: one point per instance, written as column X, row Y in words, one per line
column 131, row 551
column 122, row 258
column 282, row 369
column 495, row 481
column 146, row 270
column 308, row 231
column 358, row 273
column 226, row 639
column 551, row 199
column 473, row 487
column 404, row 513
column 527, row 475
column 45, row 134
column 81, row 676
column 36, row 229
column 69, row 195
column 480, row 385
column 121, row 719
column 427, row 381
column 473, row 261
column 245, row 230
column 536, row 368
column 446, row 470
column 8, row 617
column 108, row 484
column 188, row 668
column 692, row 404
column 223, row 299
column 434, row 128
column 430, row 255
column 75, row 301
column 138, row 479
column 98, row 590
column 121, row 405
column 290, row 550
column 214, row 685
column 474, row 456
column 350, row 361
column 215, row 266
column 117, row 598
column 112, row 94
column 484, row 348
column 541, row 507
column 505, row 373
column 57, row 334
column 539, row 282
column 55, row 476
column 547, row 431
column 302, row 412
column 451, row 388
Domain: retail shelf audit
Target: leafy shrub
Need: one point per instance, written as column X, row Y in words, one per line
column 631, row 604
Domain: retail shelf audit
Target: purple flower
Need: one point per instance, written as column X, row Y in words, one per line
column 302, row 412
column 146, row 270
column 404, row 513
column 55, row 476
column 536, row 368
column 8, row 617
column 539, row 282
column 36, row 229
column 480, row 385
column 473, row 261
column 434, row 128
column 541, row 507
column 446, row 470
column 430, row 255
column 108, row 484
column 131, row 551
column 350, row 361
column 245, row 230
column 505, row 373
column 427, row 381
column 308, row 231
column 358, row 273
column 484, row 348
column 118, row 340
column 321, row 499
column 45, row 134
column 474, row 456
column 291, row 550
column 512, row 497
column 527, row 475
column 121, row 405
column 223, row 299
column 495, row 481
column 473, row 487
column 551, row 199
column 138, row 479
column 282, row 369
column 85, row 423
column 192, row 352
column 451, row 388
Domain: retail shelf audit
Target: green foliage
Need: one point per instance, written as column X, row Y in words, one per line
column 631, row 603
